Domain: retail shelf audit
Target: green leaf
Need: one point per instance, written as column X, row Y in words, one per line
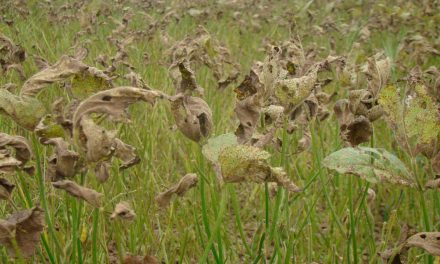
column 214, row 146
column 373, row 165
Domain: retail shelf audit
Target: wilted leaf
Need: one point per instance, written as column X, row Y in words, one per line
column 193, row 117
column 433, row 184
column 202, row 48
column 11, row 56
column 66, row 67
column 140, row 260
column 124, row 211
column 102, row 171
column 355, row 130
column 126, row 153
column 114, row 102
column 25, row 228
column 248, row 107
column 192, row 114
column 8, row 164
column 5, row 189
column 185, row 183
column 64, row 163
column 186, row 81
column 429, row 241
column 241, row 163
column 378, row 72
column 25, row 111
column 22, row 149
column 89, row 195
column 373, row 165
column 98, row 143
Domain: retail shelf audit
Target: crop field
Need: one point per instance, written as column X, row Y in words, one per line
column 219, row 131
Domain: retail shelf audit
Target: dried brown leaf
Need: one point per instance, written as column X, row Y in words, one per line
column 114, row 102
column 25, row 227
column 23, row 151
column 102, row 171
column 140, row 260
column 126, row 153
column 123, row 210
column 66, row 67
column 89, row 195
column 193, row 116
column 6, row 189
column 64, row 162
column 185, row 183
column 429, row 241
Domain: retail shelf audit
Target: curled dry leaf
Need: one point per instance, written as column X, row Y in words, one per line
column 241, row 163
column 187, row 182
column 373, row 165
column 193, row 117
column 98, row 143
column 126, row 153
column 433, row 184
column 354, row 130
column 22, row 149
column 15, row 152
column 64, row 162
column 102, row 171
column 429, row 241
column 378, row 71
column 185, row 79
column 124, row 211
column 89, row 195
column 371, row 195
column 114, row 102
column 25, row 228
column 59, row 122
column 140, row 260
column 204, row 49
column 27, row 111
column 66, row 67
column 192, row 114
column 11, row 56
column 248, row 107
column 8, row 164
column 24, row 110
column 6, row 189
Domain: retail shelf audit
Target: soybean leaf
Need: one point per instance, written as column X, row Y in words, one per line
column 373, row 165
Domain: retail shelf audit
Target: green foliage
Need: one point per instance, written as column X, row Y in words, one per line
column 373, row 165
